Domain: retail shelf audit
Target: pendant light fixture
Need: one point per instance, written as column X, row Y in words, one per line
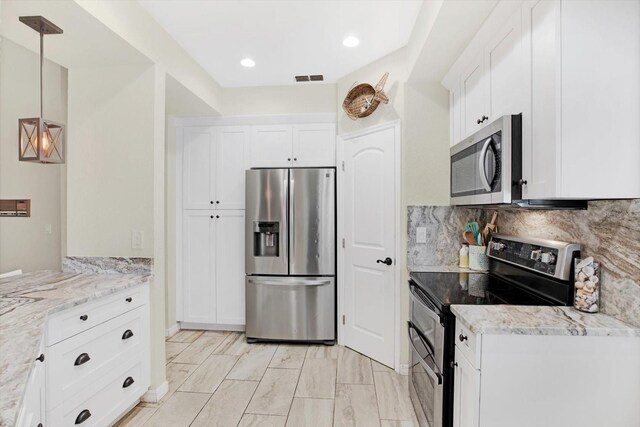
column 41, row 140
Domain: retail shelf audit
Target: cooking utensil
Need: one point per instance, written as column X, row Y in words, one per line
column 468, row 236
column 475, row 229
column 489, row 227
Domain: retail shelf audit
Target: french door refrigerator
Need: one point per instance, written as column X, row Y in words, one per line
column 290, row 257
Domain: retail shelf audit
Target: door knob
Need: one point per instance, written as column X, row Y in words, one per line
column 387, row 261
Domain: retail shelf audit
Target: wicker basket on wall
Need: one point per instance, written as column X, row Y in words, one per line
column 363, row 99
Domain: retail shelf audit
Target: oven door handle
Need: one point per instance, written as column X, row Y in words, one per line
column 424, row 339
column 436, row 376
column 481, row 164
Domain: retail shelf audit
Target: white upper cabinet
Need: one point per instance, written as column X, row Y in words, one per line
column 314, row 145
column 230, row 165
column 571, row 68
column 473, row 87
column 271, row 146
column 199, row 150
column 283, row 146
column 214, row 161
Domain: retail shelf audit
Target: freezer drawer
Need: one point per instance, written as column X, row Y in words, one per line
column 290, row 308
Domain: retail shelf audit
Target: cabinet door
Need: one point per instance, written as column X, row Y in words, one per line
column 271, row 146
column 466, row 400
column 198, row 267
column 540, row 124
column 474, row 98
column 230, row 272
column 314, row 145
column 503, row 65
column 33, row 410
column 199, row 179
column 455, row 115
column 230, row 166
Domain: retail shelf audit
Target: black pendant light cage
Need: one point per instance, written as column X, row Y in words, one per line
column 41, row 140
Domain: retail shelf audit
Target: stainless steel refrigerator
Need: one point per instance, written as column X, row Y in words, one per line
column 290, row 254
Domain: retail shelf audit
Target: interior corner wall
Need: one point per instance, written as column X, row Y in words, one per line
column 24, row 242
column 110, row 175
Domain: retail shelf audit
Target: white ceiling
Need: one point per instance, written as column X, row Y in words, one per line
column 284, row 37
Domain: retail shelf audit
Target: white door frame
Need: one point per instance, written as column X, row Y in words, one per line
column 399, row 260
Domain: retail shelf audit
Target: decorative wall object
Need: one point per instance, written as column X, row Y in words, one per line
column 363, row 99
column 40, row 140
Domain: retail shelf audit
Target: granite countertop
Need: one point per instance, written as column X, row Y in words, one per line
column 25, row 303
column 539, row 320
column 441, row 269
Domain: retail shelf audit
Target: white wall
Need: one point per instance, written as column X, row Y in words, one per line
column 23, row 241
column 110, row 160
column 301, row 98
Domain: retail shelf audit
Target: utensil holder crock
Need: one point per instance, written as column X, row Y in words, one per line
column 478, row 259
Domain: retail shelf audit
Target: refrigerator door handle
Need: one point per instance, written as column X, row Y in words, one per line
column 282, row 283
column 292, row 221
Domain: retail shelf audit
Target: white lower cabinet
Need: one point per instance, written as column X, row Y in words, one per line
column 94, row 367
column 506, row 380
column 213, row 267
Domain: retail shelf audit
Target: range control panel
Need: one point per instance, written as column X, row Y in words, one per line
column 533, row 256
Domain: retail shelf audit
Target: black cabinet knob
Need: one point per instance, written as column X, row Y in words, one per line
column 128, row 299
column 522, row 182
column 478, row 121
column 211, row 216
column 81, row 360
column 295, row 159
column 211, row 202
column 484, row 118
column 217, row 202
column 289, row 159
column 127, row 334
column 84, row 317
column 127, row 382
column 39, row 424
column 462, row 337
column 217, row 216
column 454, row 364
column 83, row 416
column 40, row 358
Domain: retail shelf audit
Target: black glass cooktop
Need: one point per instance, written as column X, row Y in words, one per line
column 445, row 289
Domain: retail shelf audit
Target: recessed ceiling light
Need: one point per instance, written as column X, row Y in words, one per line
column 248, row 62
column 351, row 41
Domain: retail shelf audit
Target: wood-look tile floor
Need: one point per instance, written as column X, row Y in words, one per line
column 217, row 379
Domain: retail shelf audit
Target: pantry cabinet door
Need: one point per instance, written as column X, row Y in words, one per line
column 198, row 281
column 230, row 165
column 474, row 97
column 230, row 272
column 503, row 63
column 455, row 115
column 314, row 145
column 466, row 400
column 199, row 179
column 272, row 146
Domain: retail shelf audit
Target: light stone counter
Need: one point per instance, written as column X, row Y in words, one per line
column 440, row 269
column 539, row 320
column 25, row 303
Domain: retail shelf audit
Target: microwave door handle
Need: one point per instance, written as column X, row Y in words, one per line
column 483, row 171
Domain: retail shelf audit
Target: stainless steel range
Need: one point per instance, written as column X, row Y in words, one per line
column 290, row 260
column 523, row 271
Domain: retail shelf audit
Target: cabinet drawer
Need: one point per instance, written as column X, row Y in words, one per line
column 73, row 321
column 86, row 358
column 104, row 401
column 469, row 344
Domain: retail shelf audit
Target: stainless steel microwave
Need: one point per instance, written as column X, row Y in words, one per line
column 486, row 167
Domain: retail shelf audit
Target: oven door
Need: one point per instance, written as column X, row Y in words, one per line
column 426, row 335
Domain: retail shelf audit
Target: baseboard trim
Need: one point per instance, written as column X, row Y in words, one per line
column 172, row 330
column 404, row 369
column 211, row 326
column 153, row 395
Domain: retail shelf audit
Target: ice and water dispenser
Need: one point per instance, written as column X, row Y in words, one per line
column 266, row 236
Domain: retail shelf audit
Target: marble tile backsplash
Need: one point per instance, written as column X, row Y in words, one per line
column 608, row 230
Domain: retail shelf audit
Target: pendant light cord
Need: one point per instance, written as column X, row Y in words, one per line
column 41, row 65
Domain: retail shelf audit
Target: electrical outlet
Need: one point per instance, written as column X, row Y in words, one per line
column 137, row 239
column 421, row 235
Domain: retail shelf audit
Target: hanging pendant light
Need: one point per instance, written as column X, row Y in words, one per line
column 40, row 140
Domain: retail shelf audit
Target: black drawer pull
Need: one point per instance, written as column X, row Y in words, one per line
column 39, row 424
column 40, row 358
column 127, row 334
column 127, row 382
column 129, row 299
column 83, row 416
column 462, row 337
column 81, row 360
column 84, row 317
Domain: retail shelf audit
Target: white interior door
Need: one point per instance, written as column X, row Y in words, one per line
column 369, row 204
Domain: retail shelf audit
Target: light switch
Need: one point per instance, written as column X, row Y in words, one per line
column 421, row 235
column 137, row 239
